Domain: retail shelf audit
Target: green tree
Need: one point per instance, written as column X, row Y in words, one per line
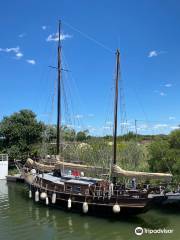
column 68, row 134
column 82, row 135
column 160, row 155
column 50, row 133
column 21, row 132
column 174, row 139
column 129, row 136
column 133, row 156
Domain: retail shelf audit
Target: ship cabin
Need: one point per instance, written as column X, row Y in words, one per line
column 70, row 184
column 78, row 186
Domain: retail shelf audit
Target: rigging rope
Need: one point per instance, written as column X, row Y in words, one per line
column 89, row 37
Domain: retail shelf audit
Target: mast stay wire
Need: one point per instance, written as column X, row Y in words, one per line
column 67, row 90
column 108, row 109
column 66, row 106
column 85, row 35
column 122, row 101
column 100, row 44
column 50, row 95
column 89, row 37
column 122, row 104
column 42, row 83
column 52, row 62
column 74, row 121
column 140, row 104
column 94, row 161
column 75, row 91
column 52, row 103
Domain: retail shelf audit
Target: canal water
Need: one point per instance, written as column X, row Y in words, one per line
column 22, row 219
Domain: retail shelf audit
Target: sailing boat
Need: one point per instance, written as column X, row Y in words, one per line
column 94, row 196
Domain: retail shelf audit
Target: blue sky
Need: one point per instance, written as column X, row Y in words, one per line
column 147, row 33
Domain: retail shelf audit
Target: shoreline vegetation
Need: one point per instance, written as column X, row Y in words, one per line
column 23, row 136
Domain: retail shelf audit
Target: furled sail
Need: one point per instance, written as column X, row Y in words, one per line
column 61, row 165
column 39, row 166
column 147, row 175
column 116, row 170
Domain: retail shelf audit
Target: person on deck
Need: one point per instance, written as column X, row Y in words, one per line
column 133, row 182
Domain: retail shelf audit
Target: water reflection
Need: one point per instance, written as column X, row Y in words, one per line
column 22, row 217
column 70, row 225
column 3, row 190
column 37, row 214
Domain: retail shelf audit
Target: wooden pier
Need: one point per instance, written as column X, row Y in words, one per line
column 15, row 178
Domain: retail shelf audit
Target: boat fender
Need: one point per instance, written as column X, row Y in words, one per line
column 37, row 196
column 47, row 201
column 33, row 172
column 43, row 195
column 54, row 198
column 30, row 194
column 69, row 203
column 116, row 208
column 85, row 207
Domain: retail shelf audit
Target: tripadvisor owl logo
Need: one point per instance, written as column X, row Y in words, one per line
column 138, row 231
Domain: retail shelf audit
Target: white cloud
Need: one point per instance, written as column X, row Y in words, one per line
column 106, row 127
column 78, row 116
column 22, row 35
column 8, row 50
column 109, row 123
column 143, row 127
column 90, row 115
column 160, row 126
column 15, row 50
column 92, row 129
column 70, row 125
column 172, row 118
column 168, row 85
column 19, row 55
column 55, row 37
column 152, row 54
column 31, row 61
column 174, row 127
column 155, row 53
column 162, row 94
column 125, row 124
column 44, row 27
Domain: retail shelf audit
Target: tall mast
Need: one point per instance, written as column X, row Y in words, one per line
column 116, row 109
column 59, row 92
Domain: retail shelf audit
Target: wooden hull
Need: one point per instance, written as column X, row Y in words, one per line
column 171, row 201
column 98, row 207
column 167, row 202
column 158, row 200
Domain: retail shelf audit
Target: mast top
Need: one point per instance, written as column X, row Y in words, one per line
column 59, row 33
